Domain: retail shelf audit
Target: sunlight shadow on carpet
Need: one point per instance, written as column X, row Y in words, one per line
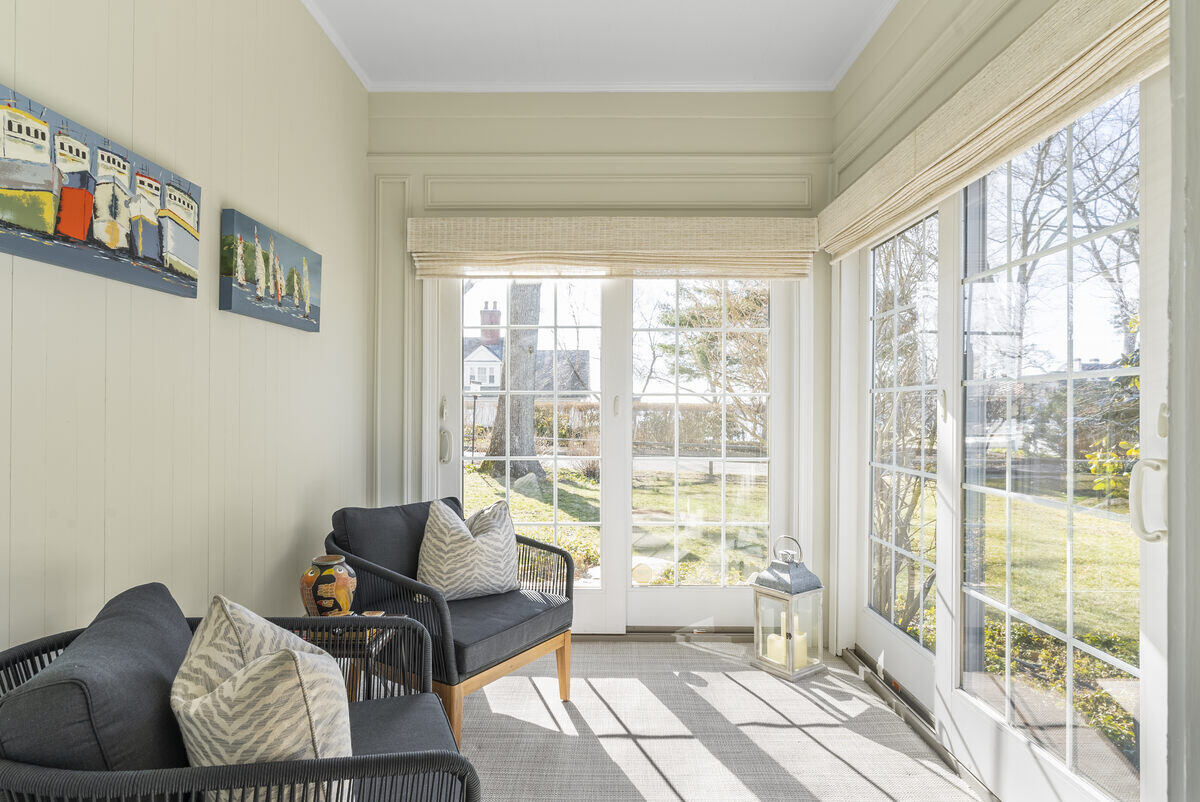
column 533, row 700
column 664, row 720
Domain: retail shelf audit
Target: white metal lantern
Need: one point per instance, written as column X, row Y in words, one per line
column 787, row 616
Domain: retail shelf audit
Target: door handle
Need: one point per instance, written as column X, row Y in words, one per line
column 1137, row 518
column 443, row 446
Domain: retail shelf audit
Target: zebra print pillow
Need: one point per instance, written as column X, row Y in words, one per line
column 249, row 691
column 228, row 639
column 465, row 559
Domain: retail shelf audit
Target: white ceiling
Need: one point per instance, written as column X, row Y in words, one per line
column 608, row 45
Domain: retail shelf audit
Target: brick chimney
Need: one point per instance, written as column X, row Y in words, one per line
column 490, row 320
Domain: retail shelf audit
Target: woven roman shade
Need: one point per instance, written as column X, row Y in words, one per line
column 1072, row 58
column 542, row 247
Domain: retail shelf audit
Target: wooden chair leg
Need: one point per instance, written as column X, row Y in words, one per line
column 452, row 701
column 452, row 695
column 563, row 655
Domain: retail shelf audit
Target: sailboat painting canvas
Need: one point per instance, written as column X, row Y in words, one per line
column 267, row 275
column 71, row 197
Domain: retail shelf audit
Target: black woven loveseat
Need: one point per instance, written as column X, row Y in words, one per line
column 475, row 641
column 403, row 749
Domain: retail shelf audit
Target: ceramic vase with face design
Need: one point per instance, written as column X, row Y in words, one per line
column 327, row 587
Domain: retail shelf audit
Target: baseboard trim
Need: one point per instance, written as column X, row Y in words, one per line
column 690, row 630
column 669, row 635
column 868, row 663
column 913, row 712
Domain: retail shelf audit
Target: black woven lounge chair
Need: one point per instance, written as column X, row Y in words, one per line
column 397, row 758
column 475, row 641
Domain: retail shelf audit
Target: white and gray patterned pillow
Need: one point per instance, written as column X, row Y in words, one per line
column 249, row 692
column 465, row 559
column 228, row 639
column 284, row 706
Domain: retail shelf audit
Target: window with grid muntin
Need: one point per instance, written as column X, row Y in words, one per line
column 1051, row 389
column 903, row 536
column 701, row 459
column 534, row 440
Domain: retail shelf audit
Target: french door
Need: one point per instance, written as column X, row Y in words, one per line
column 628, row 422
column 1014, row 449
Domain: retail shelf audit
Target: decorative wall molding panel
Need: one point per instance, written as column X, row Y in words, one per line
column 676, row 191
column 602, row 124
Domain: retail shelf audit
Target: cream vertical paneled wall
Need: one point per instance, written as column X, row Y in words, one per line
column 149, row 437
column 607, row 153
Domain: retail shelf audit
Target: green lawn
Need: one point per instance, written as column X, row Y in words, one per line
column 532, row 500
column 1105, row 562
column 532, row 507
column 1106, row 565
column 531, row 504
column 1105, row 558
column 699, row 493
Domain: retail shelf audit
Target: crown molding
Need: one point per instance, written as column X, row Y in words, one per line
column 857, row 49
column 335, row 38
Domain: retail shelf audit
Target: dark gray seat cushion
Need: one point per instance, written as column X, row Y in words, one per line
column 104, row 703
column 387, row 536
column 490, row 629
column 415, row 723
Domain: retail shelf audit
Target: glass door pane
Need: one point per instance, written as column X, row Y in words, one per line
column 902, row 540
column 1052, row 393
column 530, row 400
column 701, row 461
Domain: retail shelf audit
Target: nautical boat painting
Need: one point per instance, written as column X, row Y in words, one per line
column 110, row 217
column 180, row 233
column 71, row 197
column 77, row 196
column 144, row 240
column 267, row 275
column 30, row 184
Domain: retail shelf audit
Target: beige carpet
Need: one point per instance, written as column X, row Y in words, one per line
column 693, row 721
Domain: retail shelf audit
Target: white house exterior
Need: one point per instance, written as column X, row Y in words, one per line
column 481, row 367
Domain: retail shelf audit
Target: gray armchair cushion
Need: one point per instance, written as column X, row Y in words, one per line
column 490, row 629
column 387, row 536
column 413, row 723
column 103, row 704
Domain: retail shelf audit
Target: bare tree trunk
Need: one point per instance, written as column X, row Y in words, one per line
column 520, row 371
column 908, row 494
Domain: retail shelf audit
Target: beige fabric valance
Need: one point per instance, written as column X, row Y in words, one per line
column 1072, row 58
column 536, row 247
